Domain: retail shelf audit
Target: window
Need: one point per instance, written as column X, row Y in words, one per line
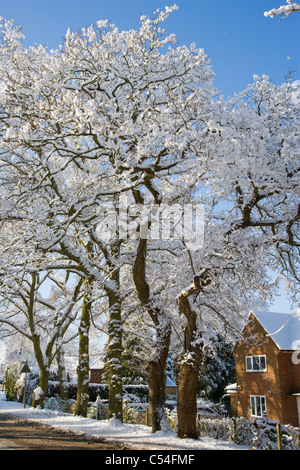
column 258, row 405
column 256, row 363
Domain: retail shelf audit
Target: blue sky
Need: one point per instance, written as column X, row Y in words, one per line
column 235, row 34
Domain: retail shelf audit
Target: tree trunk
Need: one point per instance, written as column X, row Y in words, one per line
column 187, row 403
column 63, row 382
column 157, row 381
column 114, row 354
column 83, row 360
column 157, row 364
column 40, row 392
column 115, row 330
column 189, row 371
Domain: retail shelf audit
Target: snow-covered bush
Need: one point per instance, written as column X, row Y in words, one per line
column 15, row 383
column 136, row 393
column 12, row 374
column 216, row 428
column 32, row 381
column 241, row 431
column 265, row 436
column 260, row 434
column 56, row 403
column 295, row 433
column 132, row 416
column 131, row 393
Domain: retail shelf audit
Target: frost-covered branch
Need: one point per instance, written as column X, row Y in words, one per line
column 283, row 9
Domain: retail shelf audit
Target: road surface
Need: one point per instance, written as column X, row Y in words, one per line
column 19, row 434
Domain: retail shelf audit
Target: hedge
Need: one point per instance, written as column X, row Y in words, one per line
column 259, row 434
column 136, row 393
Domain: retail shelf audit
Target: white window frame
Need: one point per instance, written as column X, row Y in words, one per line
column 260, row 403
column 260, row 368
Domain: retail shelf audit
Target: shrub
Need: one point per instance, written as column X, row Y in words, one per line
column 265, row 435
column 12, row 375
column 258, row 434
column 132, row 393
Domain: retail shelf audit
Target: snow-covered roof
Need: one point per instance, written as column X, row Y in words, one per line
column 283, row 328
column 170, row 381
column 97, row 364
column 231, row 388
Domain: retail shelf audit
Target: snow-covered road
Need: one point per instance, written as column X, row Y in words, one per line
column 139, row 436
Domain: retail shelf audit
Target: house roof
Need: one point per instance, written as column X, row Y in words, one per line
column 170, row 381
column 283, row 328
column 231, row 388
column 97, row 364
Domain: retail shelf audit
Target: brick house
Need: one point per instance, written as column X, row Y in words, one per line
column 268, row 368
column 96, row 371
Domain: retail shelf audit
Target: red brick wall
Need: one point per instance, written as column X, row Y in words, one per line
column 280, row 380
column 289, row 379
column 296, row 375
column 96, row 376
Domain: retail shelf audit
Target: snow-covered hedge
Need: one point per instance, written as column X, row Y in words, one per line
column 14, row 388
column 132, row 393
column 260, row 434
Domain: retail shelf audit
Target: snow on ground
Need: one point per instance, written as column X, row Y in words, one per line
column 139, row 436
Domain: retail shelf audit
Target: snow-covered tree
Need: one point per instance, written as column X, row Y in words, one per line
column 91, row 121
column 257, row 172
column 130, row 114
column 217, row 369
column 43, row 319
column 253, row 185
